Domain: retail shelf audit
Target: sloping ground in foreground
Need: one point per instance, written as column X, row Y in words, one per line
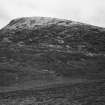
column 77, row 94
column 43, row 84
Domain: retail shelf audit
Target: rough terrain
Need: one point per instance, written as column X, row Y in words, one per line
column 50, row 61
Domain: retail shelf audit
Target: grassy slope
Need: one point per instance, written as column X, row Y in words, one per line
column 53, row 56
column 77, row 94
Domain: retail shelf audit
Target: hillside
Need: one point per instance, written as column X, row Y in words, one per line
column 55, row 46
column 43, row 51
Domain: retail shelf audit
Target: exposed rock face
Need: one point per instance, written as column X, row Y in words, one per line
column 58, row 46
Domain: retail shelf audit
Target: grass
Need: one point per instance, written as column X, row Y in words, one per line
column 77, row 94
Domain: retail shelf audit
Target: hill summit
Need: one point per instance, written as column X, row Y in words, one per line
column 54, row 31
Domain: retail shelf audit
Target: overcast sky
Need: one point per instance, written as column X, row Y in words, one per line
column 88, row 11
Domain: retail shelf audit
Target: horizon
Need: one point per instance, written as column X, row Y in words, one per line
column 85, row 11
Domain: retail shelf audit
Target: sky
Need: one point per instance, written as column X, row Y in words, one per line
column 86, row 11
